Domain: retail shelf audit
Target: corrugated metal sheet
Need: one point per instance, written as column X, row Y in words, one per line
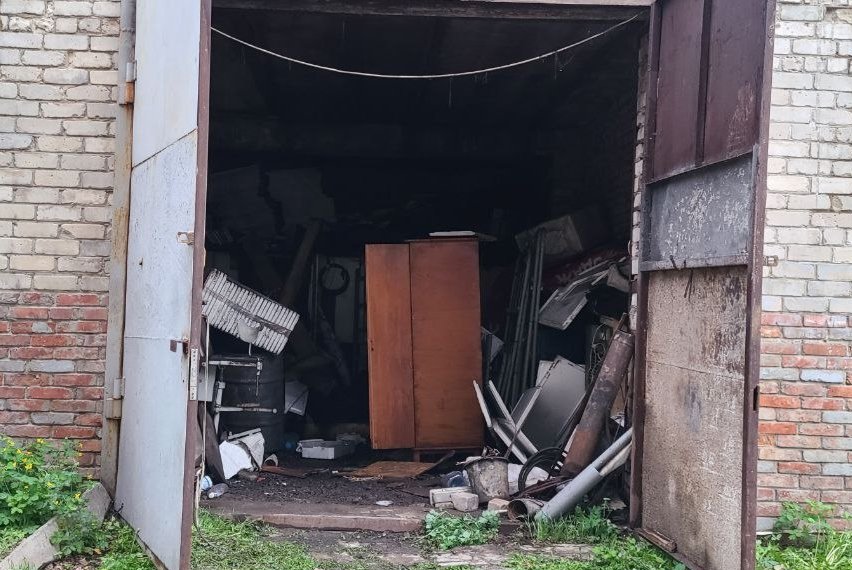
column 228, row 304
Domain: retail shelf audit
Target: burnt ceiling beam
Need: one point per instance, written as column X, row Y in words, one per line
column 482, row 9
column 241, row 133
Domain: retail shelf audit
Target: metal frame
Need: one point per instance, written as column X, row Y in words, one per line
column 498, row 9
column 483, row 9
column 196, row 331
column 118, row 252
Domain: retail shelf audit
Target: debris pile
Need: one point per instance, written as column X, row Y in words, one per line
column 357, row 361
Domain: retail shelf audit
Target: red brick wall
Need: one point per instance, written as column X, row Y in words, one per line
column 52, row 346
column 806, row 425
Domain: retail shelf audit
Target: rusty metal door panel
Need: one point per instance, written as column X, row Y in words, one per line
column 678, row 86
column 151, row 467
column 735, row 62
column 167, row 74
column 693, row 482
column 700, row 218
column 695, row 380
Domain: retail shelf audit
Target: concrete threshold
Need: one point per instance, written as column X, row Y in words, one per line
column 322, row 516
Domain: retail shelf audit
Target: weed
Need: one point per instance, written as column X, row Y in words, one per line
column 124, row 552
column 37, row 481
column 590, row 526
column 10, row 537
column 622, row 553
column 219, row 544
column 803, row 539
column 79, row 532
column 612, row 550
column 446, row 531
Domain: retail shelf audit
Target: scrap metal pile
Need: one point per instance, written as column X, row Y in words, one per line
column 560, row 428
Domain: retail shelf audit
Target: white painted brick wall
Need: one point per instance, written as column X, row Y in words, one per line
column 57, row 87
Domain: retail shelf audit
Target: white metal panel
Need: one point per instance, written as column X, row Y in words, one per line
column 151, row 467
column 167, row 56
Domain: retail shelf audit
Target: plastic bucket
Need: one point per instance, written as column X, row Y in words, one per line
column 489, row 478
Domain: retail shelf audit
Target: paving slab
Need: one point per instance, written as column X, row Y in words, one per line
column 323, row 516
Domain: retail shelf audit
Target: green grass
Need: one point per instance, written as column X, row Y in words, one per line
column 583, row 526
column 124, row 552
column 612, row 550
column 623, row 553
column 446, row 531
column 220, row 544
column 11, row 536
column 804, row 540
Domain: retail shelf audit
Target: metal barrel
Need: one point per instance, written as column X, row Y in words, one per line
column 243, row 387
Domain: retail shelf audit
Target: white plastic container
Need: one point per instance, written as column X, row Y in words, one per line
column 322, row 449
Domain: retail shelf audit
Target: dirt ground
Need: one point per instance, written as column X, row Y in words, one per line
column 334, row 484
column 393, row 551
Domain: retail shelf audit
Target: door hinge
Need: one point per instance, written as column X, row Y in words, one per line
column 113, row 404
column 183, row 342
column 193, row 374
column 127, row 90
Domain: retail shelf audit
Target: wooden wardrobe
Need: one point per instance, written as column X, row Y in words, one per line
column 424, row 348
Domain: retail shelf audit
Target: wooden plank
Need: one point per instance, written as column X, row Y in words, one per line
column 393, row 469
column 485, row 9
column 389, row 346
column 445, row 318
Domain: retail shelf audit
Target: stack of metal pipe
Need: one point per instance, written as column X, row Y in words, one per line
column 520, row 360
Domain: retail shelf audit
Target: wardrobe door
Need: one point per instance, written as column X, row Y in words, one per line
column 389, row 346
column 445, row 324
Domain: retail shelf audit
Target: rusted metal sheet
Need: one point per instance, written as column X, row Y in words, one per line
column 234, row 308
column 445, row 323
column 693, row 429
column 731, row 53
column 678, row 86
column 735, row 62
column 591, row 426
column 153, row 441
column 391, row 383
column 700, row 218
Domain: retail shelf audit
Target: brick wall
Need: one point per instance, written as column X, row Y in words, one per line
column 57, row 84
column 806, row 427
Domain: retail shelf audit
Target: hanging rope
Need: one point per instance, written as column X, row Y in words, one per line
column 429, row 76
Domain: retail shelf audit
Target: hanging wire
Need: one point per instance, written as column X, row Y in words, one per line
column 427, row 76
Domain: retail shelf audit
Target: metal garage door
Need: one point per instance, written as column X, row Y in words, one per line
column 694, row 476
column 164, row 260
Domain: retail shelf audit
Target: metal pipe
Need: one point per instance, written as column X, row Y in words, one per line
column 613, row 450
column 571, row 495
column 511, row 379
column 597, row 410
column 534, row 309
column 511, row 311
column 520, row 509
